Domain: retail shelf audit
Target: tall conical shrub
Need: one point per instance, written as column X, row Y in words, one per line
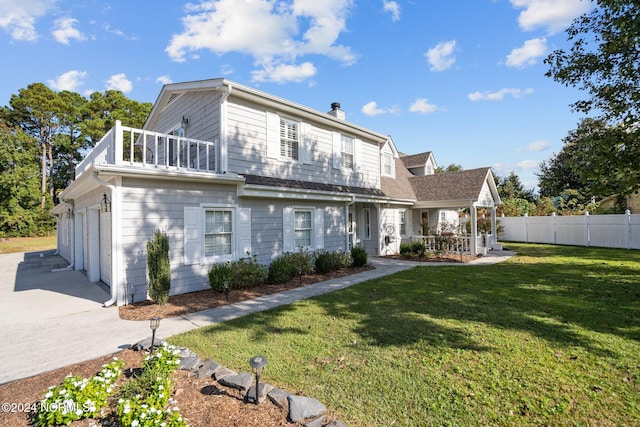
column 159, row 268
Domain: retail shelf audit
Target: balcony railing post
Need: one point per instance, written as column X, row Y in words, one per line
column 118, row 143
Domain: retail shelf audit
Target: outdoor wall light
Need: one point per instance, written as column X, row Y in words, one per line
column 257, row 366
column 105, row 204
column 154, row 323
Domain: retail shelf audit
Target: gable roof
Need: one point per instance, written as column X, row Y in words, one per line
column 463, row 187
column 415, row 160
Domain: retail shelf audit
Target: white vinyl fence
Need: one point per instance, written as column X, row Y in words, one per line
column 608, row 231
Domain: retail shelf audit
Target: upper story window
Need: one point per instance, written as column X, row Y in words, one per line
column 347, row 152
column 289, row 139
column 218, row 232
column 387, row 164
column 403, row 223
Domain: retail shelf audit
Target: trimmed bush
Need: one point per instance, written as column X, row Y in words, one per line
column 280, row 271
column 159, row 268
column 218, row 275
column 418, row 247
column 325, row 262
column 405, row 249
column 247, row 272
column 359, row 256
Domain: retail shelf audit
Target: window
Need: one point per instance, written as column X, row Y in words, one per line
column 387, row 159
column 403, row 223
column 303, row 227
column 218, row 233
column 289, row 137
column 347, row 152
column 367, row 224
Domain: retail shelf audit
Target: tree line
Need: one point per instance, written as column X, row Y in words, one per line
column 43, row 135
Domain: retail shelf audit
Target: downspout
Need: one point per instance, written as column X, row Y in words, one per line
column 346, row 220
column 116, row 296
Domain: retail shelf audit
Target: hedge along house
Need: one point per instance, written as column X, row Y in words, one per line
column 226, row 170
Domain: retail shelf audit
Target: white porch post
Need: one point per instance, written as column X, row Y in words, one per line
column 474, row 230
column 494, row 225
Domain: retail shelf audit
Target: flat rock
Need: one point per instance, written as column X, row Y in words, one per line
column 241, row 381
column 224, row 372
column 301, row 407
column 251, row 393
column 278, row 397
column 190, row 363
column 207, row 369
column 318, row 422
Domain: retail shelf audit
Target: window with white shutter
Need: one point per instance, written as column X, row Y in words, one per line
column 347, row 152
column 289, row 139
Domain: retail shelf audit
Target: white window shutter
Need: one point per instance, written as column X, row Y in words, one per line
column 273, row 135
column 305, row 143
column 318, row 227
column 357, row 155
column 192, row 236
column 337, row 150
column 288, row 239
column 243, row 232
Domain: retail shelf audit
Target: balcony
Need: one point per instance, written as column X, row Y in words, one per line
column 125, row 146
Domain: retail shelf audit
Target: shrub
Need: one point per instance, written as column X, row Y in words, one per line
column 359, row 256
column 247, row 272
column 418, row 247
column 302, row 261
column 325, row 262
column 159, row 268
column 281, row 271
column 343, row 259
column 218, row 275
column 405, row 249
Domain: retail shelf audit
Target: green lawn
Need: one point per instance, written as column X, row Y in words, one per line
column 27, row 244
column 551, row 337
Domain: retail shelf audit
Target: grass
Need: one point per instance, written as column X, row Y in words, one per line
column 551, row 337
column 27, row 244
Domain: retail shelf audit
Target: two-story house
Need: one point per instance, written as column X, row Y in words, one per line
column 226, row 170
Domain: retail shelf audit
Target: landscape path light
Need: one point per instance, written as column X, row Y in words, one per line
column 154, row 324
column 257, row 366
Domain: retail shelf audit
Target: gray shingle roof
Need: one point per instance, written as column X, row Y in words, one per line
column 308, row 185
column 460, row 185
column 415, row 159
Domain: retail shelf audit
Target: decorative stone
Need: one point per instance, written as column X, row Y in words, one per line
column 251, row 393
column 278, row 397
column 336, row 423
column 301, row 407
column 207, row 369
column 241, row 381
column 190, row 363
column 318, row 422
column 223, row 372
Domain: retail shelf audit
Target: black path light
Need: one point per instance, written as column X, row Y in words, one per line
column 154, row 324
column 257, row 366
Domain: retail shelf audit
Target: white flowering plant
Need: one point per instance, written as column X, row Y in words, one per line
column 146, row 400
column 77, row 398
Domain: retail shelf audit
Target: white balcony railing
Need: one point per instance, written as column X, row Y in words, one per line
column 123, row 145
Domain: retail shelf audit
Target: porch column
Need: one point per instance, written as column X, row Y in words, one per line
column 494, row 224
column 474, row 230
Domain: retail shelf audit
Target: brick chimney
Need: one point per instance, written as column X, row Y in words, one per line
column 336, row 111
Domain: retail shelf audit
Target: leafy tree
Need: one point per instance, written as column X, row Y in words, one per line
column 103, row 109
column 511, row 187
column 451, row 168
column 604, row 60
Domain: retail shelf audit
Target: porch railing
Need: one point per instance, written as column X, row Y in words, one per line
column 124, row 145
column 455, row 244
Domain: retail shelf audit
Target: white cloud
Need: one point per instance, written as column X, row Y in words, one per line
column 64, row 31
column 506, row 168
column 422, row 106
column 528, row 54
column 284, row 73
column 165, row 80
column 372, row 109
column 71, row 81
column 18, row 17
column 227, row 69
column 540, row 145
column 119, row 82
column 553, row 15
column 393, row 8
column 274, row 33
column 500, row 94
column 441, row 56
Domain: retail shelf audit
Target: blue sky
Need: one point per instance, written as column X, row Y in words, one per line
column 461, row 78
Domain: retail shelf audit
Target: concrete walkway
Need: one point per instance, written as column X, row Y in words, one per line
column 51, row 319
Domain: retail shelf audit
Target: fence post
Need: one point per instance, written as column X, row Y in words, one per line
column 553, row 227
column 628, row 226
column 587, row 230
column 526, row 227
